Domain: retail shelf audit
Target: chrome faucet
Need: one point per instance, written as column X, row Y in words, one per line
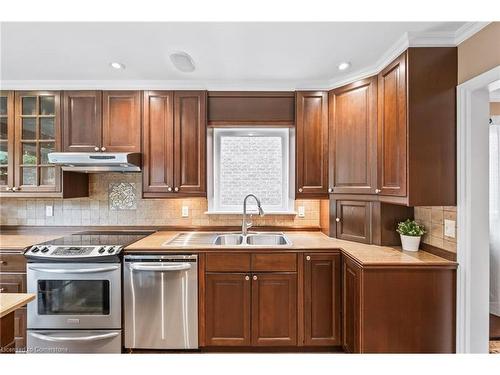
column 247, row 224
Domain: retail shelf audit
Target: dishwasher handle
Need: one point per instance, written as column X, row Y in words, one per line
column 160, row 267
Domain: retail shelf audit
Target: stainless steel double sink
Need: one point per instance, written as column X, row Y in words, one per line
column 230, row 239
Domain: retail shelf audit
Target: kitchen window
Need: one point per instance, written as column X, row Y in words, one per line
column 245, row 160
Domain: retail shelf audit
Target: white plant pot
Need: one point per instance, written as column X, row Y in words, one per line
column 410, row 243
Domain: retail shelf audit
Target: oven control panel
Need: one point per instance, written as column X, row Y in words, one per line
column 72, row 252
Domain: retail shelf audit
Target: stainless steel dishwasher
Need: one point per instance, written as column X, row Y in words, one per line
column 161, row 301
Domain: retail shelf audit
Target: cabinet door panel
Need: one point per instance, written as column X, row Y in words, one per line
column 6, row 140
column 82, row 121
column 322, row 305
column 352, row 307
column 274, row 309
column 158, row 142
column 312, row 144
column 353, row 137
column 227, row 309
column 20, row 322
column 121, row 122
column 354, row 220
column 392, row 128
column 12, row 283
column 190, row 142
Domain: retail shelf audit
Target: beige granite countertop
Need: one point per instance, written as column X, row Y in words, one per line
column 12, row 301
column 19, row 241
column 362, row 253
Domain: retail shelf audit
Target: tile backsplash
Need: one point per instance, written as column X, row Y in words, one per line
column 433, row 219
column 115, row 199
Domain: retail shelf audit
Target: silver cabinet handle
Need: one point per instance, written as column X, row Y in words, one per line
column 103, row 148
column 76, row 270
column 254, row 277
column 8, row 188
column 81, row 338
column 377, row 191
column 308, row 257
column 300, row 190
column 169, row 189
column 330, row 190
column 160, row 268
column 337, row 219
column 15, row 188
column 247, row 278
column 96, row 148
column 1, row 290
column 176, row 188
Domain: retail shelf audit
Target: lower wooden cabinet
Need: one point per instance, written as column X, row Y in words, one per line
column 274, row 309
column 227, row 311
column 322, row 302
column 351, row 282
column 20, row 324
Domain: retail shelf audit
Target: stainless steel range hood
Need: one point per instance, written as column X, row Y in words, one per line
column 95, row 162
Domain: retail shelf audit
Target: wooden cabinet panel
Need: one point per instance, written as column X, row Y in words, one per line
column 322, row 303
column 353, row 138
column 312, row 144
column 223, row 262
column 20, row 324
column 392, row 128
column 354, row 220
column 158, row 142
column 6, row 140
column 12, row 282
column 227, row 309
column 190, row 142
column 10, row 262
column 121, row 121
column 352, row 306
column 274, row 309
column 274, row 262
column 82, row 121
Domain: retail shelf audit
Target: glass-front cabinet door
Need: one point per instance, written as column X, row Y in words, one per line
column 6, row 140
column 37, row 134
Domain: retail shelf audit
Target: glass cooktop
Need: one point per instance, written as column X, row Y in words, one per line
column 98, row 238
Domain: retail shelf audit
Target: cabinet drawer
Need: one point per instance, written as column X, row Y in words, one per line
column 12, row 263
column 12, row 283
column 228, row 262
column 274, row 262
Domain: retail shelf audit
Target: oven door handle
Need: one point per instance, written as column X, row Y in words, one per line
column 82, row 338
column 158, row 268
column 75, row 270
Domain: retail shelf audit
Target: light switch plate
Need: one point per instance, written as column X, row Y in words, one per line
column 449, row 228
column 185, row 211
column 302, row 211
column 49, row 211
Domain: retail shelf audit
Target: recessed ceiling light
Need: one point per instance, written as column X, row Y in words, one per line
column 182, row 61
column 117, row 65
column 344, row 65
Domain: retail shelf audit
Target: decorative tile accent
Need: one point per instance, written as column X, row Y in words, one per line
column 122, row 196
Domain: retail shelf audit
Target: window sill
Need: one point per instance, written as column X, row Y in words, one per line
column 239, row 213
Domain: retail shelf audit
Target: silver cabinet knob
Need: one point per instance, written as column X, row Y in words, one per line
column 337, row 220
column 1, row 290
column 377, row 191
column 330, row 190
column 247, row 278
column 300, row 190
column 15, row 188
column 8, row 189
column 254, row 277
column 308, row 257
column 176, row 189
column 96, row 148
column 169, row 188
column 103, row 148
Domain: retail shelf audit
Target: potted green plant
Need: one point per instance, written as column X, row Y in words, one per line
column 410, row 232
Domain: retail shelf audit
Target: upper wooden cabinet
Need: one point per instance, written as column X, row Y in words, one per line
column 82, row 119
column 6, row 140
column 353, row 138
column 121, row 121
column 102, row 121
column 251, row 108
column 174, row 143
column 312, row 144
column 417, row 128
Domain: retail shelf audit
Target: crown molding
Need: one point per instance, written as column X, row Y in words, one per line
column 424, row 39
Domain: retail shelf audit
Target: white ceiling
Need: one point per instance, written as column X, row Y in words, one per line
column 225, row 54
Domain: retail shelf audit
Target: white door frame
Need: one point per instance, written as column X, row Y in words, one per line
column 472, row 213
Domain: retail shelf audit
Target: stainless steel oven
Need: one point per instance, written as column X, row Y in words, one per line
column 74, row 295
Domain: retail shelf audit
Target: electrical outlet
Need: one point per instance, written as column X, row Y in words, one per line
column 302, row 211
column 185, row 211
column 449, row 228
column 49, row 211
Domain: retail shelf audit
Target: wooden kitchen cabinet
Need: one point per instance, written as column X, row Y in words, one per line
column 82, row 121
column 312, row 144
column 227, row 309
column 274, row 309
column 351, row 324
column 354, row 220
column 174, row 144
column 322, row 299
column 353, row 138
column 6, row 140
column 121, row 121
